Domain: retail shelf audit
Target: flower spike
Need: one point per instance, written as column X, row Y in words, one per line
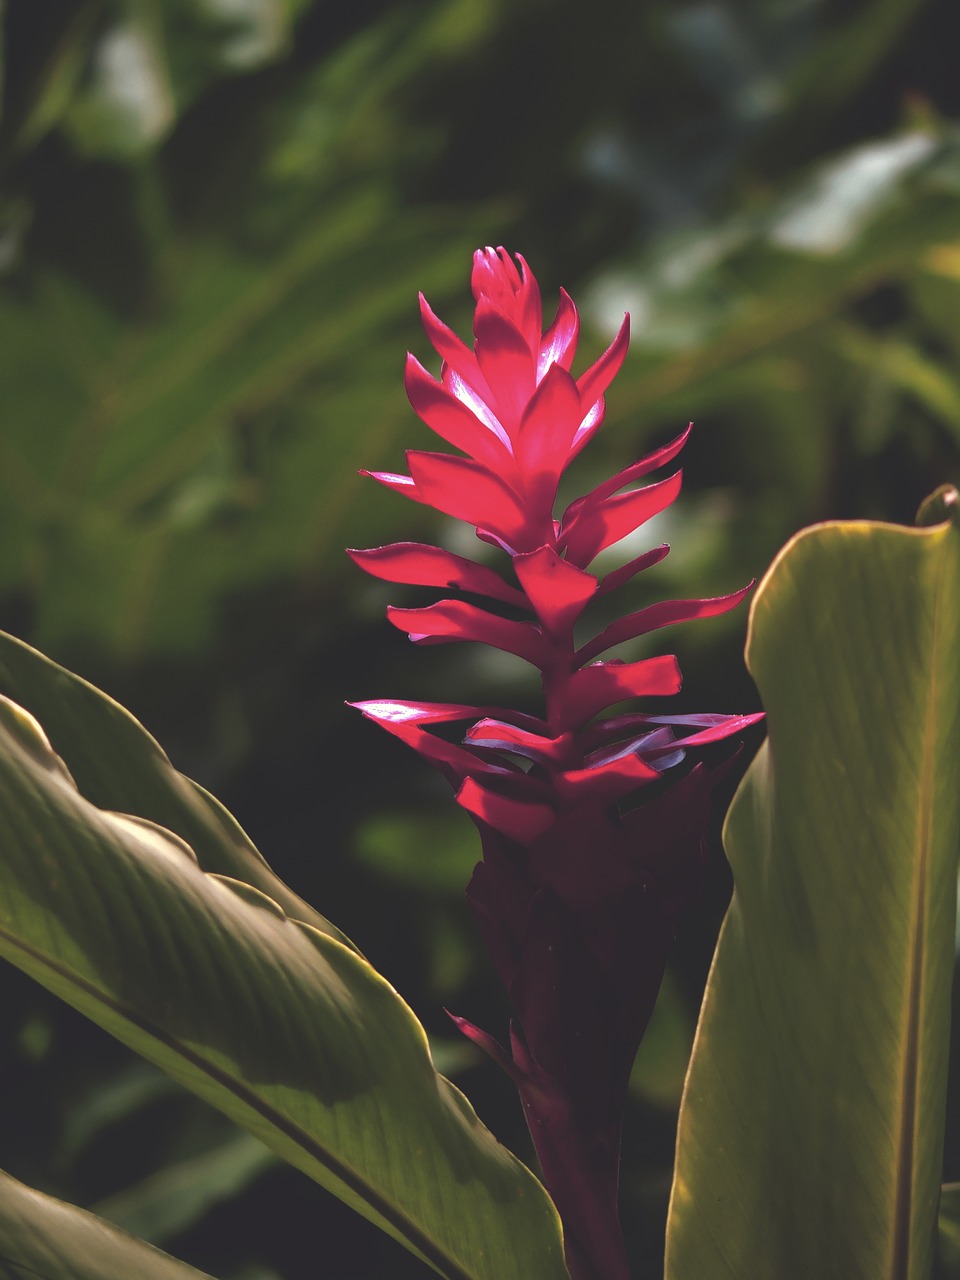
column 593, row 830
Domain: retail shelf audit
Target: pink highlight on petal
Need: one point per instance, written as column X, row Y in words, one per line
column 394, row 711
column 453, row 761
column 451, row 419
column 399, row 484
column 521, row 820
column 558, row 590
column 559, row 344
column 479, row 407
column 400, row 711
column 588, row 428
column 492, row 540
column 483, row 1040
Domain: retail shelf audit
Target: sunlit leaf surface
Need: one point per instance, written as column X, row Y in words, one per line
column 279, row 1024
column 128, row 771
column 43, row 1237
column 811, row 1130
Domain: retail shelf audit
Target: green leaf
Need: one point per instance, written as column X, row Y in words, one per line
column 67, row 48
column 948, row 1232
column 45, row 1239
column 434, row 853
column 179, row 1195
column 154, row 468
column 811, row 1131
column 845, row 59
column 658, row 1072
column 117, row 765
column 111, row 1100
column 282, row 1026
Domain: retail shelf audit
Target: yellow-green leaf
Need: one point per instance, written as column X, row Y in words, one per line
column 811, row 1131
column 45, row 1239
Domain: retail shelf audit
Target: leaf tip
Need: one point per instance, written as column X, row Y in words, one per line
column 942, row 505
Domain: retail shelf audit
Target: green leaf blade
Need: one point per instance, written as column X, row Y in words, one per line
column 43, row 1237
column 277, row 1023
column 118, row 765
column 811, row 1132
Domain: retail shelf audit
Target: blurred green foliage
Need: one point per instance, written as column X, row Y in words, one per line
column 214, row 219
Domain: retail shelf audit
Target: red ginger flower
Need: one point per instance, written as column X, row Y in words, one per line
column 575, row 899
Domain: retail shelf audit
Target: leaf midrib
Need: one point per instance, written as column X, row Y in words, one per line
column 422, row 1244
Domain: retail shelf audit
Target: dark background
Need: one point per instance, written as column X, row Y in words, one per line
column 214, row 219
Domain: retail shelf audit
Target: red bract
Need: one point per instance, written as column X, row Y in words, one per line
column 578, row 892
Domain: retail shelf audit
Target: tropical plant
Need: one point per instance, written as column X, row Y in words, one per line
column 821, row 1058
column 579, row 889
column 214, row 217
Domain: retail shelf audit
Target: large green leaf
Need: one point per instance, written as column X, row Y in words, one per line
column 279, row 1024
column 117, row 765
column 45, row 1239
column 811, row 1130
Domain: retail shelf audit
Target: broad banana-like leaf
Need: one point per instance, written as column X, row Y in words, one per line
column 811, row 1129
column 117, row 765
column 278, row 1023
column 44, row 1238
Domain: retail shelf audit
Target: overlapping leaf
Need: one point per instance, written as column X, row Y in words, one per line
column 117, row 765
column 811, row 1130
column 278, row 1023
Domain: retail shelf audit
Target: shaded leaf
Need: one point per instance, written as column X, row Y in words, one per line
column 657, row 1075
column 117, row 765
column 136, row 1087
column 179, row 1195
